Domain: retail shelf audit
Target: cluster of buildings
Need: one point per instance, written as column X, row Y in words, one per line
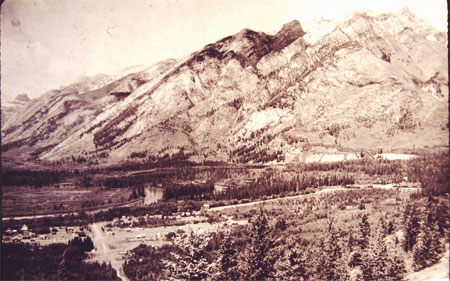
column 132, row 221
column 26, row 235
column 79, row 234
column 127, row 221
column 23, row 234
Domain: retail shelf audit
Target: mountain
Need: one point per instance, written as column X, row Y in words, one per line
column 9, row 108
column 371, row 82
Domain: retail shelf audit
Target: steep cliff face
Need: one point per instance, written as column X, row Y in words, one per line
column 373, row 81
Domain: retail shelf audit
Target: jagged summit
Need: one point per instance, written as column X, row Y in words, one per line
column 289, row 32
column 248, row 46
column 406, row 13
column 372, row 81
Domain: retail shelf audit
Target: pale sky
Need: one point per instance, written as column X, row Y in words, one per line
column 46, row 44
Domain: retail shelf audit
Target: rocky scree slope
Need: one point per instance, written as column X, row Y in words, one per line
column 374, row 81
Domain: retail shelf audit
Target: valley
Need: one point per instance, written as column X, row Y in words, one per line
column 210, row 201
column 284, row 156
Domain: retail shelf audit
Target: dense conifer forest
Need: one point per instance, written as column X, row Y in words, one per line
column 53, row 262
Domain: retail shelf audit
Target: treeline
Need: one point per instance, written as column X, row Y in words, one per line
column 432, row 171
column 253, row 153
column 36, row 178
column 146, row 262
column 163, row 162
column 91, row 176
column 189, row 191
column 266, row 185
column 368, row 166
column 43, row 225
column 167, row 177
column 53, row 262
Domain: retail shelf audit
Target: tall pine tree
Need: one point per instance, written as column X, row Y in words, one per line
column 259, row 257
column 428, row 249
column 331, row 266
column 228, row 260
column 364, row 227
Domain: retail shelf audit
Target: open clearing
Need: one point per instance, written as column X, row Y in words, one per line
column 25, row 201
column 112, row 244
column 395, row 156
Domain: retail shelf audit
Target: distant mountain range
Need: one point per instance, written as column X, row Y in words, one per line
column 370, row 82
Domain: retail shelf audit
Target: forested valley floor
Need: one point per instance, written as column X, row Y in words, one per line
column 370, row 219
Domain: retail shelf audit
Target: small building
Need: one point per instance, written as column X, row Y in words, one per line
column 24, row 228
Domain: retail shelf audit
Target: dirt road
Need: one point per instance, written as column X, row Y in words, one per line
column 276, row 199
column 103, row 251
column 437, row 272
column 320, row 191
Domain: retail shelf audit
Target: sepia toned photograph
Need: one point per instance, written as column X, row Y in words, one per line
column 224, row 140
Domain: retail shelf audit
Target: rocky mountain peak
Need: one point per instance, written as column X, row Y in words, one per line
column 370, row 81
column 406, row 13
column 289, row 32
column 249, row 46
column 10, row 108
column 23, row 98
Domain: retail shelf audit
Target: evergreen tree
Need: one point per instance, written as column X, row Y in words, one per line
column 293, row 265
column 71, row 261
column 390, row 228
column 428, row 249
column 331, row 266
column 378, row 264
column 259, row 259
column 364, row 227
column 62, row 268
column 351, row 242
column 411, row 224
column 193, row 263
column 228, row 259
